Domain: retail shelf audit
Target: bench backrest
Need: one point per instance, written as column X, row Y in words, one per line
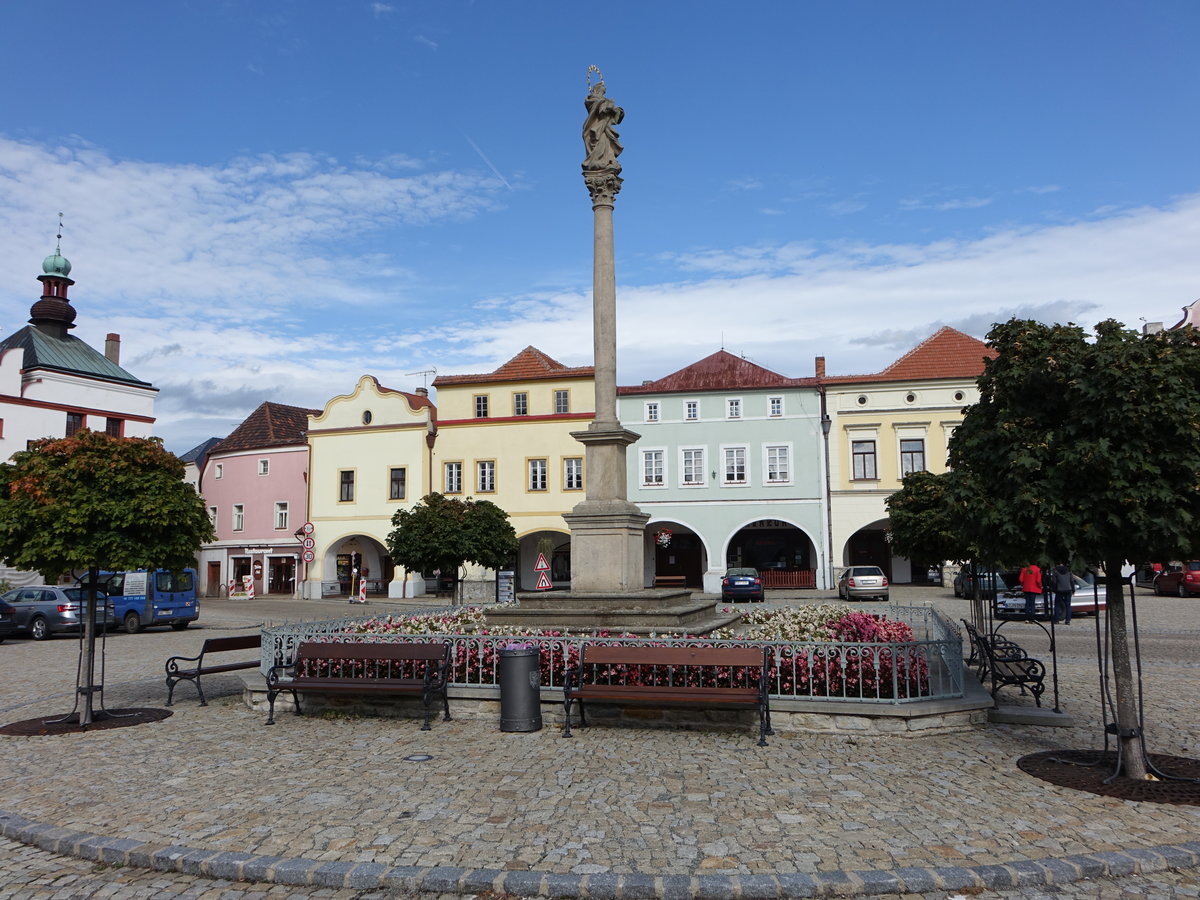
column 383, row 650
column 606, row 654
column 241, row 642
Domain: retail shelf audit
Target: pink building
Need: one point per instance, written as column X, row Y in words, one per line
column 255, row 485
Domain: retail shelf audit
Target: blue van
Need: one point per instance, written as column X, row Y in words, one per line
column 141, row 599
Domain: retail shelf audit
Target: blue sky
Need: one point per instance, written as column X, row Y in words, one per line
column 269, row 199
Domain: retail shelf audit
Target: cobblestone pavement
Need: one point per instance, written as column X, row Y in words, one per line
column 671, row 804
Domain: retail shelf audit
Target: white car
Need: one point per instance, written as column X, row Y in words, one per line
column 1087, row 598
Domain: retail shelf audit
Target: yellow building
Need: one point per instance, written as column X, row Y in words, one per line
column 506, row 437
column 369, row 455
column 883, row 426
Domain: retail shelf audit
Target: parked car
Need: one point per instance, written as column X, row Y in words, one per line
column 1182, row 582
column 8, row 619
column 43, row 610
column 1145, row 573
column 742, row 583
column 863, row 583
column 991, row 582
column 1086, row 599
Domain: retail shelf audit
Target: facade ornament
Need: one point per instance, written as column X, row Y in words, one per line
column 601, row 171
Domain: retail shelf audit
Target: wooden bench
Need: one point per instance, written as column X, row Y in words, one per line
column 177, row 671
column 669, row 675
column 364, row 668
column 1006, row 663
column 669, row 581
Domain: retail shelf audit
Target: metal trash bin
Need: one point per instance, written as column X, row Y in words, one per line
column 520, row 687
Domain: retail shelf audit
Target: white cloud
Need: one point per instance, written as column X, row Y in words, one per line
column 428, row 42
column 381, row 9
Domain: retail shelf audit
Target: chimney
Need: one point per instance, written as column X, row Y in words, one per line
column 820, row 367
column 1152, row 328
column 422, row 391
column 112, row 348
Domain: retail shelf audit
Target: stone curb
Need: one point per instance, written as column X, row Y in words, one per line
column 241, row 866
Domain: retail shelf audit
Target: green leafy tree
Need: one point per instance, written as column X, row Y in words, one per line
column 922, row 521
column 1086, row 448
column 92, row 502
column 444, row 533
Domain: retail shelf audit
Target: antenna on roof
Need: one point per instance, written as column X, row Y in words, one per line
column 432, row 370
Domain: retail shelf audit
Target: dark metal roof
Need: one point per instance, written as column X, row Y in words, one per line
column 66, row 354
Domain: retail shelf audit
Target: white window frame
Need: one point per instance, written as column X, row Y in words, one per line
column 281, row 515
column 572, row 481
column 698, row 463
column 726, row 451
column 264, row 467
column 562, row 402
column 537, row 477
column 239, row 517
column 652, row 467
column 219, row 470
column 485, row 476
column 452, row 476
column 652, row 411
column 775, row 406
column 691, row 410
column 733, row 407
column 212, row 516
column 768, row 464
column 520, row 403
column 482, row 404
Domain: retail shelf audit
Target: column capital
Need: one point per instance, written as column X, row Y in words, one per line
column 602, row 186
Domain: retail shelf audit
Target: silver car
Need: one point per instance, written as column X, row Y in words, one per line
column 43, row 610
column 863, row 582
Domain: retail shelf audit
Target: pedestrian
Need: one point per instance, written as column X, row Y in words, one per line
column 1063, row 583
column 1031, row 586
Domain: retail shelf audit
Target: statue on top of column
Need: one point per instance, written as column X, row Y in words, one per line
column 600, row 138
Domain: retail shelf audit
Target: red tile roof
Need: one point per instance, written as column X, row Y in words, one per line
column 722, row 371
column 947, row 353
column 531, row 364
column 271, row 425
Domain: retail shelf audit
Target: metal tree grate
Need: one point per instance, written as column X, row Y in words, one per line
column 1088, row 770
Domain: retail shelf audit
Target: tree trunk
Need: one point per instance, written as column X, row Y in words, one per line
column 1127, row 696
column 87, row 676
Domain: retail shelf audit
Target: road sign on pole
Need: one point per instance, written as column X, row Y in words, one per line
column 541, row 565
column 543, row 582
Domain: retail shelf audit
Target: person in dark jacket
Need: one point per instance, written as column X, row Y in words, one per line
column 1063, row 583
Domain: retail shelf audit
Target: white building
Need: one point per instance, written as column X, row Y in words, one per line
column 53, row 384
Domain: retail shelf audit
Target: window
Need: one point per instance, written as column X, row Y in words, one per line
column 485, row 476
column 573, row 473
column 239, row 517
column 562, row 402
column 346, row 486
column 652, row 412
column 653, row 474
column 779, row 469
column 367, row 417
column 537, row 474
column 735, row 465
column 775, row 406
column 212, row 516
column 691, row 410
column 912, row 457
column 481, row 406
column 114, row 427
column 281, row 515
column 74, row 423
column 733, row 408
column 397, row 479
column 219, row 472
column 453, row 478
column 864, row 459
column 691, row 463
column 264, row 466
column 520, row 404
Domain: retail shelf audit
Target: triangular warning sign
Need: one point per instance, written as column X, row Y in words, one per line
column 541, row 565
column 543, row 582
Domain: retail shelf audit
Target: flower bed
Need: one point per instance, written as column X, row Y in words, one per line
column 816, row 651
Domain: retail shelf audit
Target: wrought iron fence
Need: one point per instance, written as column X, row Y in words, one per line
column 930, row 667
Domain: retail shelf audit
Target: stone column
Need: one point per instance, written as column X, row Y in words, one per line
column 607, row 531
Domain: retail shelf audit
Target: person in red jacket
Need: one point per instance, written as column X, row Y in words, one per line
column 1031, row 586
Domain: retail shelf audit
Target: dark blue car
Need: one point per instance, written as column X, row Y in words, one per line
column 742, row 584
